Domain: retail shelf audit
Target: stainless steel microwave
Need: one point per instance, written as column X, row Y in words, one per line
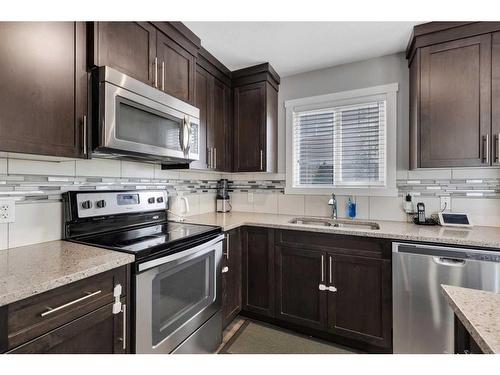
column 136, row 120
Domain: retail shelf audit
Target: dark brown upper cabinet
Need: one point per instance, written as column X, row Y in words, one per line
column 43, row 84
column 495, row 98
column 258, row 270
column 454, row 95
column 213, row 98
column 255, row 119
column 161, row 54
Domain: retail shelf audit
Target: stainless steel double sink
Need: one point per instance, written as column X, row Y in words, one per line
column 335, row 223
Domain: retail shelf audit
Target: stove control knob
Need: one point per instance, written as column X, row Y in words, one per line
column 86, row 204
column 159, row 200
column 101, row 203
column 151, row 200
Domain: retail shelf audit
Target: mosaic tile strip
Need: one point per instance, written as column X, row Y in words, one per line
column 465, row 188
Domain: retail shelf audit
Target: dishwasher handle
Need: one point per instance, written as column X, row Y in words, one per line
column 449, row 262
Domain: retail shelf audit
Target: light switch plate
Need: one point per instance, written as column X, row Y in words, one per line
column 7, row 211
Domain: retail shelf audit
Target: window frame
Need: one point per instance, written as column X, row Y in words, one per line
column 386, row 92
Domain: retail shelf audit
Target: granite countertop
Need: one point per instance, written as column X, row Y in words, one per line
column 479, row 312
column 475, row 236
column 29, row 270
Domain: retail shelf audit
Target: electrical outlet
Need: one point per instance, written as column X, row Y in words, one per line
column 7, row 211
column 444, row 203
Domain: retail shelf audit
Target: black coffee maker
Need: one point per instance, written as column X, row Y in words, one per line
column 223, row 204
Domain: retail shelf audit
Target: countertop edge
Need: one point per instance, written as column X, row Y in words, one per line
column 361, row 233
column 19, row 295
column 469, row 325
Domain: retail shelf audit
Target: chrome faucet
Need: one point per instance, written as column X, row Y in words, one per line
column 333, row 202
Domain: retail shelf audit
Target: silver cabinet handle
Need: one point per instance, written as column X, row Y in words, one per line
column 330, row 269
column 225, row 269
column 497, row 151
column 124, row 312
column 53, row 310
column 322, row 268
column 486, row 149
column 215, row 158
column 156, row 72
column 84, row 135
column 163, row 75
column 209, row 162
column 261, row 160
column 227, row 246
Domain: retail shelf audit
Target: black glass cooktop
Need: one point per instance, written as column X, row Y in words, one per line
column 151, row 238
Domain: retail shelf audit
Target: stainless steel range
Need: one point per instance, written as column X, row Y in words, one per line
column 176, row 279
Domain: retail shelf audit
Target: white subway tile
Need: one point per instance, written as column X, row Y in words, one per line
column 239, row 202
column 4, row 236
column 36, row 222
column 47, row 168
column 401, row 174
column 387, row 208
column 291, row 204
column 3, row 166
column 482, row 211
column 194, row 205
column 239, row 177
column 169, row 174
column 265, row 203
column 137, row 170
column 430, row 174
column 207, row 203
column 432, row 204
column 317, row 205
column 98, row 168
column 468, row 173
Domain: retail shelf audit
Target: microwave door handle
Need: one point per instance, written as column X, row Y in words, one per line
column 181, row 135
column 186, row 135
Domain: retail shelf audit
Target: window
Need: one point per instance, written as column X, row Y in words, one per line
column 342, row 141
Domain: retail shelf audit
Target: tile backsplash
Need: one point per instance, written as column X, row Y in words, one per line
column 37, row 185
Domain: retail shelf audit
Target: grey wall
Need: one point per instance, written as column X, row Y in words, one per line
column 373, row 72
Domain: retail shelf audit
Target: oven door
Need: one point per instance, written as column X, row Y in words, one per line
column 138, row 125
column 176, row 295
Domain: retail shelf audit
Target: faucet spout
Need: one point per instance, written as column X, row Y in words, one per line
column 333, row 202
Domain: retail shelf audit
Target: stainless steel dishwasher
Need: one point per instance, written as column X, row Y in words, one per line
column 422, row 319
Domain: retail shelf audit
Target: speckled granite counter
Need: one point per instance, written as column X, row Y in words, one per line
column 479, row 312
column 29, row 270
column 476, row 236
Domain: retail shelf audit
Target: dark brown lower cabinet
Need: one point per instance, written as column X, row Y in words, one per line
column 298, row 276
column 76, row 318
column 464, row 342
column 360, row 307
column 258, row 270
column 231, row 277
column 100, row 332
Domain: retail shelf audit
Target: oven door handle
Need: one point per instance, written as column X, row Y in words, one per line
column 169, row 258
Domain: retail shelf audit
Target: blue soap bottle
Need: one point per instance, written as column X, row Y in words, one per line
column 351, row 208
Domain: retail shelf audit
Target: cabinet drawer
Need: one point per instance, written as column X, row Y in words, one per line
column 42, row 313
column 338, row 243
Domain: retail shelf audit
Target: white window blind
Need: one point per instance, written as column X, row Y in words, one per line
column 340, row 146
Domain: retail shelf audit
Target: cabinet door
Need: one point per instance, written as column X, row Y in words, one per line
column 217, row 136
column 43, row 86
column 258, row 270
column 299, row 273
column 495, row 99
column 129, row 47
column 231, row 280
column 455, row 103
column 176, row 69
column 100, row 332
column 203, row 101
column 249, row 127
column 360, row 308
